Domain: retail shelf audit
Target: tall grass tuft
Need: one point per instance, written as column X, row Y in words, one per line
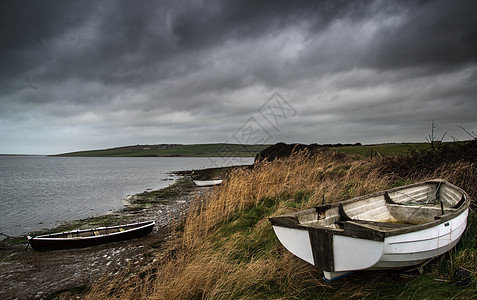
column 328, row 175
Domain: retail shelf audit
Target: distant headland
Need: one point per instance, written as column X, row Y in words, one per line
column 239, row 150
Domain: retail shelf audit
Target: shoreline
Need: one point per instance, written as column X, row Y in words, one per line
column 35, row 273
column 129, row 203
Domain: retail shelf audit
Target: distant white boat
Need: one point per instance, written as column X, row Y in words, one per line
column 396, row 228
column 207, row 182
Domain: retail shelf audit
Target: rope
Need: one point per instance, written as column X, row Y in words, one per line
column 6, row 235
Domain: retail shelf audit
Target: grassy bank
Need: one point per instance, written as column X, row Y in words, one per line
column 370, row 151
column 226, row 248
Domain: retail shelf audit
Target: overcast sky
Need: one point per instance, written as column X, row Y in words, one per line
column 78, row 75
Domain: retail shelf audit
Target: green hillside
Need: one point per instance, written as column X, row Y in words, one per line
column 175, row 150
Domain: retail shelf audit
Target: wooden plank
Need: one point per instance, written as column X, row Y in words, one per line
column 384, row 225
column 288, row 221
column 322, row 247
column 360, row 230
column 460, row 203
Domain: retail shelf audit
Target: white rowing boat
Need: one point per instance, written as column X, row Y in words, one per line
column 396, row 228
column 207, row 182
column 90, row 237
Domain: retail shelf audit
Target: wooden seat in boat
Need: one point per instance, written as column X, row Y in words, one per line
column 369, row 229
column 380, row 225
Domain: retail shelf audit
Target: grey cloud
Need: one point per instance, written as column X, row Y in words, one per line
column 121, row 41
column 173, row 71
column 438, row 34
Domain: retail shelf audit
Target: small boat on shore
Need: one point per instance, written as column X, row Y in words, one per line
column 207, row 182
column 395, row 228
column 90, row 237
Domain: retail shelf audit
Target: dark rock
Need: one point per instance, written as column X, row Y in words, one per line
column 281, row 150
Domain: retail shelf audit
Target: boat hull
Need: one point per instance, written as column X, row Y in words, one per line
column 351, row 254
column 360, row 246
column 55, row 243
column 207, row 182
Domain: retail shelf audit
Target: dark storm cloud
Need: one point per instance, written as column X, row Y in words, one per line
column 128, row 42
column 29, row 27
column 437, row 34
column 175, row 69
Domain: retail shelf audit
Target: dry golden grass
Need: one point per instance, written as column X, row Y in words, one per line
column 326, row 175
column 227, row 248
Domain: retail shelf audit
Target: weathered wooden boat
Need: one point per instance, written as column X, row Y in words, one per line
column 207, row 182
column 395, row 228
column 90, row 237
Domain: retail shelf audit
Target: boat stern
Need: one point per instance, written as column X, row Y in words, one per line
column 297, row 241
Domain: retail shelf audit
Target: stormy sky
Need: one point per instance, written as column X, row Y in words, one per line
column 78, row 75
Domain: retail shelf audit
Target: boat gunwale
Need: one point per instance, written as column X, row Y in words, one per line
column 49, row 237
column 291, row 220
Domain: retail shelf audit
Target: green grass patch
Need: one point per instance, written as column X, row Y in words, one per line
column 369, row 151
column 298, row 199
column 250, row 241
column 349, row 191
column 393, row 285
column 400, row 182
column 245, row 221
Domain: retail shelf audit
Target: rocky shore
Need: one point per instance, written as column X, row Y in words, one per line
column 29, row 274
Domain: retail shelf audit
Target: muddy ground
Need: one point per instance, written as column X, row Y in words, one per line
column 30, row 274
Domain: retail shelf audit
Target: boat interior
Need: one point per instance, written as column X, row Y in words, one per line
column 95, row 232
column 390, row 210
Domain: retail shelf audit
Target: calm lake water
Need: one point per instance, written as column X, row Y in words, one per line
column 38, row 192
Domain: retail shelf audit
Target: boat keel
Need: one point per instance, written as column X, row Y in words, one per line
column 331, row 276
